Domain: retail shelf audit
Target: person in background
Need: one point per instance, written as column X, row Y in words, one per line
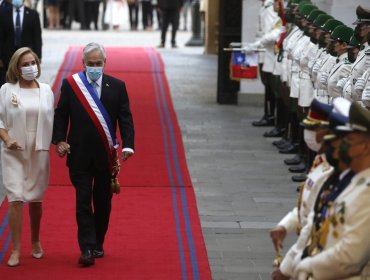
column 184, row 12
column 114, row 14
column 147, row 14
column 26, row 126
column 170, row 10
column 157, row 13
column 53, row 14
column 19, row 27
column 133, row 12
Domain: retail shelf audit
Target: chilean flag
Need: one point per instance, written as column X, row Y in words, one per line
column 243, row 65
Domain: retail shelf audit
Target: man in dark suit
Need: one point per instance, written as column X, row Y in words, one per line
column 79, row 133
column 170, row 10
column 19, row 27
column 5, row 5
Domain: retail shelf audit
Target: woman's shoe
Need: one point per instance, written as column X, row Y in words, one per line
column 37, row 251
column 14, row 259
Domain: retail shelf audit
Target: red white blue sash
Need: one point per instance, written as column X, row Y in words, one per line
column 96, row 111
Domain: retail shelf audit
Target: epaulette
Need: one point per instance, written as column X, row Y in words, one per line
column 367, row 52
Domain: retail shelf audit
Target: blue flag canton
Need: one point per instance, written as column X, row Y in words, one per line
column 239, row 58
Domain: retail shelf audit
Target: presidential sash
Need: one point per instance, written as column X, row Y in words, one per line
column 100, row 118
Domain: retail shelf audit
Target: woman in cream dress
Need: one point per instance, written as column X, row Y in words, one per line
column 26, row 121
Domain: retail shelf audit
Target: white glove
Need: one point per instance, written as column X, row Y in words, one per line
column 366, row 97
column 360, row 85
column 303, row 268
column 315, row 67
column 324, row 78
column 251, row 47
column 341, row 83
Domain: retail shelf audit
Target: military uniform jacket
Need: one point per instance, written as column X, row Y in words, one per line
column 305, row 84
column 340, row 70
column 361, row 64
column 296, row 56
column 346, row 254
column 321, row 92
column 366, row 91
column 291, row 37
column 299, row 216
column 317, row 63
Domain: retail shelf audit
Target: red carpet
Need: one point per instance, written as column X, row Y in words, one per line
column 154, row 231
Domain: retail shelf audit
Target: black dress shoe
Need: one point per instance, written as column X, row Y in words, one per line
column 265, row 121
column 293, row 149
column 299, row 178
column 280, row 142
column 298, row 168
column 86, row 258
column 97, row 254
column 297, row 159
column 275, row 132
column 285, row 146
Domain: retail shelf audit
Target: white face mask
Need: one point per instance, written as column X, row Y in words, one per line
column 310, row 139
column 29, row 73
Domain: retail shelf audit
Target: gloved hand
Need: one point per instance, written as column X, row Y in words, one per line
column 360, row 85
column 315, row 67
column 341, row 83
column 303, row 269
column 365, row 97
column 324, row 78
column 251, row 47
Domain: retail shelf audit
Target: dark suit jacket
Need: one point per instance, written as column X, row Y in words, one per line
column 31, row 34
column 5, row 6
column 170, row 4
column 86, row 145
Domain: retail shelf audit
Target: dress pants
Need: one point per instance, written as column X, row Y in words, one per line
column 170, row 16
column 92, row 185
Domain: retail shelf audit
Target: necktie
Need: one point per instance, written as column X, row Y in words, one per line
column 18, row 31
column 94, row 86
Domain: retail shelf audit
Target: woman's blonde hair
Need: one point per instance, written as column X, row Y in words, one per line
column 12, row 75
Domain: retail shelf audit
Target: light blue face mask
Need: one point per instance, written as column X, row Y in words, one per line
column 94, row 73
column 17, row 3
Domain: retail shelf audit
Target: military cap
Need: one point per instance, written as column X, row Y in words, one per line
column 321, row 19
column 338, row 117
column 342, row 33
column 306, row 9
column 314, row 14
column 363, row 15
column 330, row 25
column 335, row 119
column 318, row 115
column 353, row 42
column 359, row 119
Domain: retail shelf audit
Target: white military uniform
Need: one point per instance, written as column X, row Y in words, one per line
column 298, row 217
column 361, row 64
column 346, row 254
column 340, row 70
column 321, row 92
column 288, row 45
column 321, row 55
column 365, row 96
column 305, row 83
column 295, row 71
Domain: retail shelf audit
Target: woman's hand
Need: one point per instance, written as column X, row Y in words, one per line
column 12, row 144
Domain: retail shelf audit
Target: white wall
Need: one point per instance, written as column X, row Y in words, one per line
column 344, row 10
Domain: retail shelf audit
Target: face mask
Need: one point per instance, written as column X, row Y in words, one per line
column 310, row 139
column 17, row 3
column 29, row 73
column 343, row 153
column 94, row 73
column 329, row 151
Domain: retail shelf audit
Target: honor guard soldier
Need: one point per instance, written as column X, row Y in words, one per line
column 362, row 62
column 340, row 37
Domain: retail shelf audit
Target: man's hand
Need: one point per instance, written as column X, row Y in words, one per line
column 278, row 275
column 126, row 155
column 277, row 235
column 63, row 148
